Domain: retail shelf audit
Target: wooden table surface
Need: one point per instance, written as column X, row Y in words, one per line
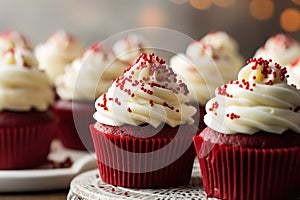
column 55, row 195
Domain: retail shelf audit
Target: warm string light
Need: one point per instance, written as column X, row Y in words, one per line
column 223, row 3
column 290, row 20
column 205, row 4
column 201, row 5
column 152, row 16
column 261, row 9
column 296, row 2
column 179, row 1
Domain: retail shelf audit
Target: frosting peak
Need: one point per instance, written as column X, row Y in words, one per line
column 20, row 57
column 22, row 85
column 148, row 92
column 60, row 49
column 263, row 72
column 260, row 100
column 281, row 48
column 128, row 48
column 97, row 61
column 12, row 39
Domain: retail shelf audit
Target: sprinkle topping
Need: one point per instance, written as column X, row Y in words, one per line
column 148, row 72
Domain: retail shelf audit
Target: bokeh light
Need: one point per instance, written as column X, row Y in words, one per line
column 296, row 2
column 152, row 16
column 261, row 9
column 290, row 19
column 224, row 3
column 201, row 4
column 179, row 1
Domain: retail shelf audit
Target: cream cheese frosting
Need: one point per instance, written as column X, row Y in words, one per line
column 280, row 48
column 22, row 85
column 128, row 48
column 148, row 92
column 59, row 50
column 293, row 70
column 204, row 68
column 260, row 100
column 12, row 39
column 89, row 76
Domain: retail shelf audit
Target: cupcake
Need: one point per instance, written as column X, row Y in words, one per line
column 251, row 146
column 281, row 48
column 27, row 126
column 204, row 67
column 144, row 129
column 12, row 39
column 294, row 73
column 128, row 48
column 59, row 50
column 78, row 88
column 222, row 41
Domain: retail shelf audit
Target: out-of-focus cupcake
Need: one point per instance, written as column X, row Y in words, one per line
column 60, row 49
column 26, row 125
column 144, row 128
column 251, row 147
column 128, row 48
column 222, row 41
column 204, row 68
column 12, row 39
column 281, row 48
column 83, row 81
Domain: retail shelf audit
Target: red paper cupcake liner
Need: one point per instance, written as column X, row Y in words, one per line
column 68, row 131
column 114, row 166
column 248, row 173
column 25, row 147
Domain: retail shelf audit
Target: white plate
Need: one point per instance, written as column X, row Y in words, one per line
column 44, row 177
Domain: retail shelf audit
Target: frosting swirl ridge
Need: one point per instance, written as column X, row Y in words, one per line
column 148, row 92
column 260, row 100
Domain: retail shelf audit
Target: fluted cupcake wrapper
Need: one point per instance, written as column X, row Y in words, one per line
column 68, row 132
column 248, row 173
column 25, row 147
column 132, row 166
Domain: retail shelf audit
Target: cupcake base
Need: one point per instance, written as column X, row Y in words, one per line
column 137, row 165
column 237, row 172
column 25, row 139
column 68, row 132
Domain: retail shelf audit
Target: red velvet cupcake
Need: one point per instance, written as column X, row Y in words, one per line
column 77, row 88
column 251, row 147
column 205, row 65
column 26, row 126
column 143, row 135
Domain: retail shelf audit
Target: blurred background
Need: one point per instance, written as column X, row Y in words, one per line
column 250, row 22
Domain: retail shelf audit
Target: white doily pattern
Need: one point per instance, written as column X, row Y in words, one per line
column 90, row 186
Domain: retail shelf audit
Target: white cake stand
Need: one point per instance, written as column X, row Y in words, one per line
column 89, row 186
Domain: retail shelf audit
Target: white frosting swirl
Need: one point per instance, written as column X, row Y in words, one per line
column 204, row 68
column 148, row 92
column 81, row 78
column 22, row 85
column 129, row 48
column 260, row 100
column 293, row 70
column 12, row 39
column 59, row 50
column 280, row 48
